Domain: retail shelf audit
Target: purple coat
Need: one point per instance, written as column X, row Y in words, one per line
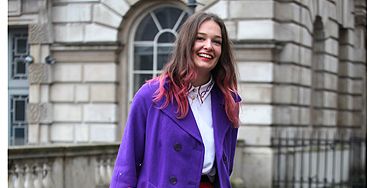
column 159, row 150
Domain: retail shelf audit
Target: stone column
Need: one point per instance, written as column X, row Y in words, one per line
column 360, row 12
column 39, row 111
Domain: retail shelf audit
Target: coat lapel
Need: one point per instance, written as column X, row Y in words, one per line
column 188, row 124
column 220, row 121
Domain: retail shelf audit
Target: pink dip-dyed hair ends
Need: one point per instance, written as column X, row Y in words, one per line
column 180, row 70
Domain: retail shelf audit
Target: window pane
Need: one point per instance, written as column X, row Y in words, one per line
column 163, row 55
column 18, row 124
column 167, row 16
column 139, row 80
column 166, row 38
column 182, row 21
column 146, row 30
column 20, row 66
column 143, row 58
column 21, row 46
column 19, row 50
column 20, row 110
column 19, row 136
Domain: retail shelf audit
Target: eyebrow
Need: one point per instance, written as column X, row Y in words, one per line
column 216, row 36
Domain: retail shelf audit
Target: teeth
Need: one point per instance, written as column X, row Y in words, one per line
column 205, row 56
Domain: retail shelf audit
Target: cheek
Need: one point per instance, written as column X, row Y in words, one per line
column 218, row 52
column 196, row 47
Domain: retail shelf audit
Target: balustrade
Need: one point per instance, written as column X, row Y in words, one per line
column 74, row 166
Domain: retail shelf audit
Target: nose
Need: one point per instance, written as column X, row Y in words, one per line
column 208, row 44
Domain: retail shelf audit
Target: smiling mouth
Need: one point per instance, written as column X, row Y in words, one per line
column 207, row 56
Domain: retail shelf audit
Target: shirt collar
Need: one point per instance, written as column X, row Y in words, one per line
column 201, row 92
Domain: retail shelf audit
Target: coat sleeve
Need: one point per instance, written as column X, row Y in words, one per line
column 234, row 132
column 130, row 155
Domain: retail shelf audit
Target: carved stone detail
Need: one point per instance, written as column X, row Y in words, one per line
column 39, row 73
column 39, row 34
column 39, row 113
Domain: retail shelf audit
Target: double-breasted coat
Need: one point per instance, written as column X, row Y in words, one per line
column 160, row 150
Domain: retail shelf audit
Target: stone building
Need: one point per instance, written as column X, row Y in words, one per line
column 74, row 66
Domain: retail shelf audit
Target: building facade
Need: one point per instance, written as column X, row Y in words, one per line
column 74, row 66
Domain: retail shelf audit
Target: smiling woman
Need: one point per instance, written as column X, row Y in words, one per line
column 187, row 116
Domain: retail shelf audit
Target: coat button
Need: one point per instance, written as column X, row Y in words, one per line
column 173, row 180
column 177, row 147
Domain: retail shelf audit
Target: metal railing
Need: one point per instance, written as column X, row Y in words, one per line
column 319, row 158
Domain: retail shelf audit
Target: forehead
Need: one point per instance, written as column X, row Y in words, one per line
column 209, row 27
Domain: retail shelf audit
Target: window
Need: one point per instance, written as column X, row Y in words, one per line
column 18, row 49
column 18, row 126
column 153, row 42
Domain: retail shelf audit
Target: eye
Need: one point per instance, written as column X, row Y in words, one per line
column 218, row 42
column 199, row 38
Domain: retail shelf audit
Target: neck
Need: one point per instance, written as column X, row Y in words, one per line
column 201, row 80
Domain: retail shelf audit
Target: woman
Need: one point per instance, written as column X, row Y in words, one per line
column 182, row 126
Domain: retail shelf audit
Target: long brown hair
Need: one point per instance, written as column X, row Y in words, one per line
column 180, row 69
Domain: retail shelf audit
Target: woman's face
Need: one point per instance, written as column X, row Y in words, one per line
column 207, row 46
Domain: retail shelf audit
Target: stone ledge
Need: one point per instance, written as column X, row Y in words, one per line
column 31, row 151
column 89, row 56
column 61, row 47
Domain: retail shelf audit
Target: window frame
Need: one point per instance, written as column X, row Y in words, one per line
column 154, row 43
column 17, row 87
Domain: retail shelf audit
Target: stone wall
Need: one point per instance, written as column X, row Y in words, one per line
column 84, row 95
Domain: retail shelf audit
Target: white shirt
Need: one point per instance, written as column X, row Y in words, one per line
column 200, row 103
